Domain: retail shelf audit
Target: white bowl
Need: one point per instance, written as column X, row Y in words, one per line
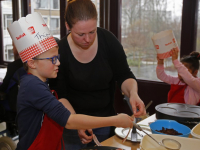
column 195, row 128
column 195, row 135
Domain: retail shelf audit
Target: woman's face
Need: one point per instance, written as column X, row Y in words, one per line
column 83, row 33
column 194, row 73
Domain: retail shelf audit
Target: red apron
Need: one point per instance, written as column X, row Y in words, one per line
column 49, row 136
column 176, row 93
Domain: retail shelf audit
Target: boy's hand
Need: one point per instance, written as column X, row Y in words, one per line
column 174, row 54
column 124, row 121
column 160, row 61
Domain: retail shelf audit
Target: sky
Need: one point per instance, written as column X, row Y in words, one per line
column 175, row 6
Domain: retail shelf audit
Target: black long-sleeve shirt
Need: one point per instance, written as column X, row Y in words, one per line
column 89, row 87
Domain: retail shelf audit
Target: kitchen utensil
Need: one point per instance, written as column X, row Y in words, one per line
column 96, row 141
column 126, row 136
column 146, row 107
column 133, row 133
column 126, row 99
column 149, row 104
column 168, row 143
column 188, row 115
column 186, row 143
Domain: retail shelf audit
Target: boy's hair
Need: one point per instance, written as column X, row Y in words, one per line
column 79, row 10
column 25, row 65
column 192, row 60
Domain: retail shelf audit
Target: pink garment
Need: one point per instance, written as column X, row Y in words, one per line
column 192, row 91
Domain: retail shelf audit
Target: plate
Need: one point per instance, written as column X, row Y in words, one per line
column 122, row 132
column 186, row 143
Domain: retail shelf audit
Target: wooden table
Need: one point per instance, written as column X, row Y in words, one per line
column 116, row 141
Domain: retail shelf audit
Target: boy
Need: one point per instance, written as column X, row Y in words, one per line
column 41, row 117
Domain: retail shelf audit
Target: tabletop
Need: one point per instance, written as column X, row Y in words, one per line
column 116, row 141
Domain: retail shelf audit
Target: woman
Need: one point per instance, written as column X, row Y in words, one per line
column 92, row 59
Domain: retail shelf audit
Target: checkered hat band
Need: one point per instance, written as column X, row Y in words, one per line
column 37, row 49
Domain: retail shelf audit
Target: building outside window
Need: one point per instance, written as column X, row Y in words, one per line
column 7, row 19
column 55, row 25
column 50, row 13
column 46, row 4
column 141, row 19
column 96, row 3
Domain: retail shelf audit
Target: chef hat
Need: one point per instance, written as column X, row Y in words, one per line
column 31, row 36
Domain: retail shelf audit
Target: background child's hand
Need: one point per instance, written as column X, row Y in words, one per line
column 124, row 121
column 160, row 61
column 174, row 54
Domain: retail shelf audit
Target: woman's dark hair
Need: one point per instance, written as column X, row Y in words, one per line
column 56, row 39
column 79, row 10
column 192, row 60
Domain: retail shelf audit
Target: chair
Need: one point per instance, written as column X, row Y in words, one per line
column 8, row 100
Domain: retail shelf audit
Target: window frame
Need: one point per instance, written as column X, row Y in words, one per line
column 15, row 14
column 110, row 18
column 146, row 88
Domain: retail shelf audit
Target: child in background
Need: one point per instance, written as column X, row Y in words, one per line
column 41, row 117
column 185, row 88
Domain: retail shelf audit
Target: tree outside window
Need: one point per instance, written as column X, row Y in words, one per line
column 141, row 19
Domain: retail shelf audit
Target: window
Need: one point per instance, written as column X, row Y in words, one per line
column 7, row 19
column 9, row 52
column 41, row 4
column 141, row 19
column 55, row 4
column 198, row 31
column 46, row 4
column 50, row 13
column 198, row 35
column 55, row 25
column 96, row 3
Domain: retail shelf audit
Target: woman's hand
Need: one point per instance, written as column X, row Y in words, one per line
column 129, row 88
column 85, row 139
column 124, row 121
column 174, row 54
column 137, row 105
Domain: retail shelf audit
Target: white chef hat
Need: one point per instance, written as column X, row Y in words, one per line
column 31, row 36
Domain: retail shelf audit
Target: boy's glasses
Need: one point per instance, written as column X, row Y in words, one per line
column 53, row 59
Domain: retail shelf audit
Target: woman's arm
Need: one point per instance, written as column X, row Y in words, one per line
column 129, row 87
column 122, row 73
